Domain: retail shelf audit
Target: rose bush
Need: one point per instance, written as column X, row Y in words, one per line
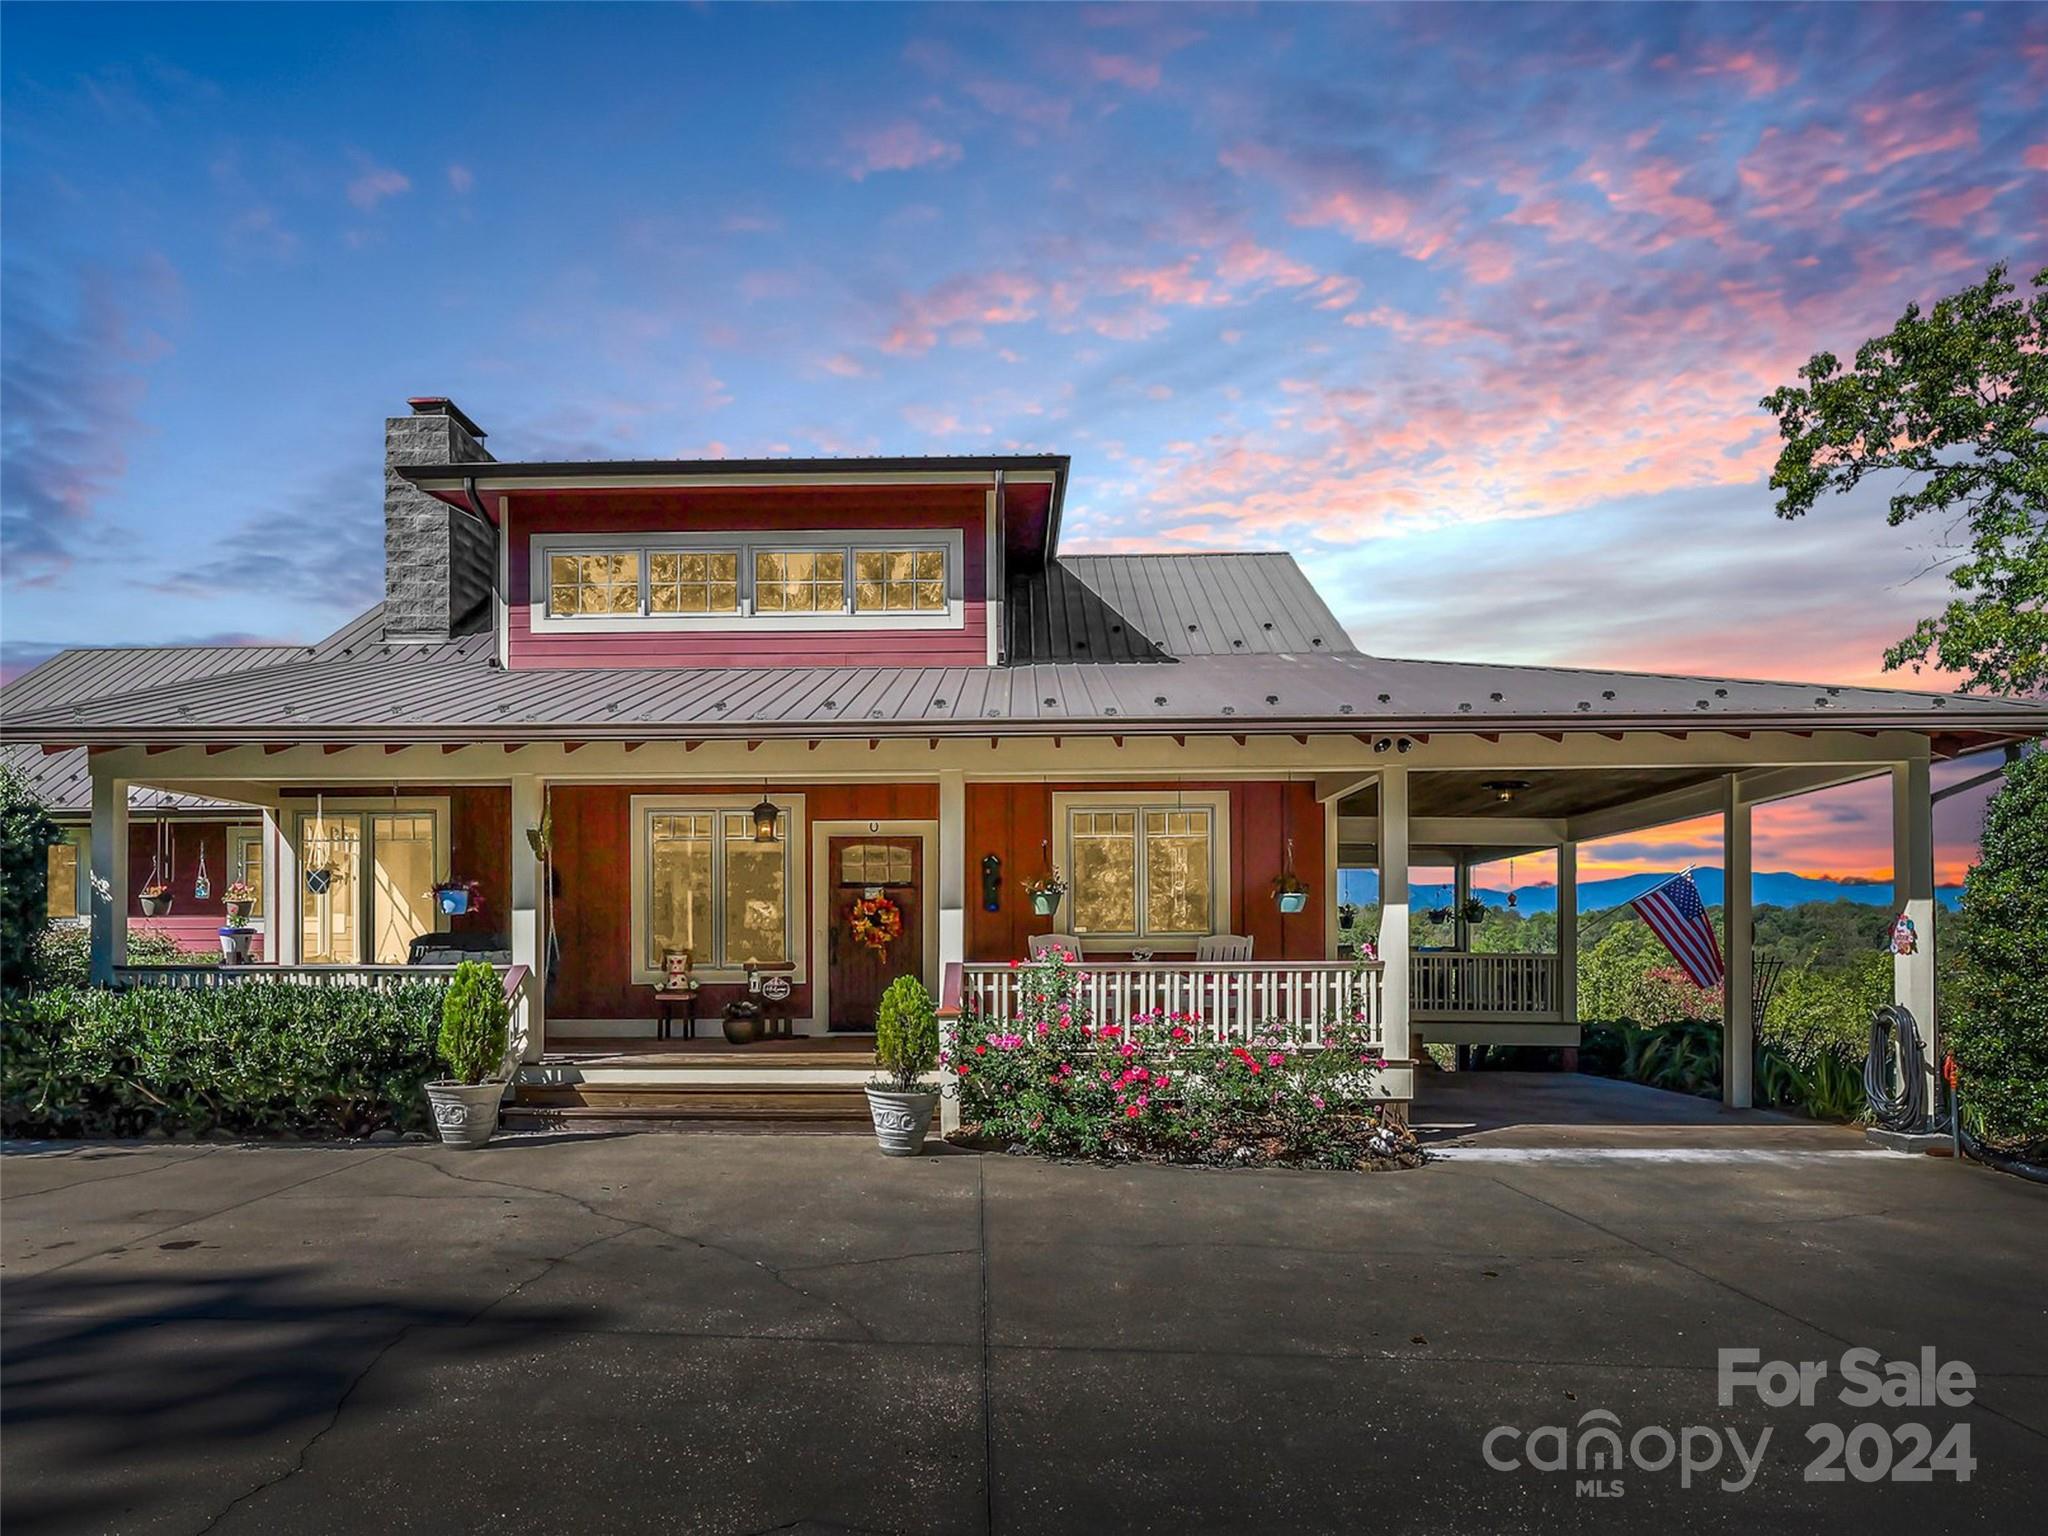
column 1057, row 1081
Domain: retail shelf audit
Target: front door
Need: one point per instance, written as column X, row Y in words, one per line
column 858, row 868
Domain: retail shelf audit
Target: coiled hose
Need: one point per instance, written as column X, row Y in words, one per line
column 1904, row 1107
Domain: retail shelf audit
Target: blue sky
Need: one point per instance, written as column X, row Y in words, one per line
column 1469, row 308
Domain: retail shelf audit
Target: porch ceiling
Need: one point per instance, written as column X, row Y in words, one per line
column 1551, row 793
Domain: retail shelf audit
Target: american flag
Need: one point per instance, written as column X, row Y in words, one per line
column 1676, row 915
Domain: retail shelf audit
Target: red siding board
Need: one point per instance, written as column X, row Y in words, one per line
column 912, row 508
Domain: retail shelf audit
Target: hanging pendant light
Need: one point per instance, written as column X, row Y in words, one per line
column 765, row 817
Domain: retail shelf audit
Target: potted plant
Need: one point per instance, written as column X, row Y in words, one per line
column 906, row 1048
column 1347, row 915
column 1473, row 910
column 474, row 1019
column 1046, row 892
column 240, row 900
column 156, row 899
column 1290, row 893
column 455, row 897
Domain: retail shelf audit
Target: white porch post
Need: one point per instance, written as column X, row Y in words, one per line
column 109, row 876
column 1393, row 944
column 1461, row 892
column 1738, row 1027
column 1913, row 976
column 529, row 928
column 1567, row 999
column 280, row 890
column 953, row 860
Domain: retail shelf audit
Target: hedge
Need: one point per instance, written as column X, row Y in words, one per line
column 257, row 1060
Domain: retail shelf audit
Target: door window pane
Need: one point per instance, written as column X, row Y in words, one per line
column 245, row 862
column 402, row 895
column 1105, row 873
column 874, row 864
column 679, row 864
column 330, row 889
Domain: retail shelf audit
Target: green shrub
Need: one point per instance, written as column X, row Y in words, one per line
column 1684, row 1056
column 906, row 1034
column 1054, row 1081
column 474, row 1018
column 255, row 1059
column 64, row 953
column 26, row 832
column 1998, row 1030
column 1825, row 1011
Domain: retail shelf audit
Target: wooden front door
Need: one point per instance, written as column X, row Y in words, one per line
column 857, row 867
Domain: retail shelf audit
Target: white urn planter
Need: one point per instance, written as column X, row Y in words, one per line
column 902, row 1120
column 466, row 1114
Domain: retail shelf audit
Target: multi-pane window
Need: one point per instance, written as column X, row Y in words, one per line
column 245, row 860
column 899, row 581
column 714, row 891
column 693, row 581
column 597, row 584
column 1143, row 872
column 799, row 580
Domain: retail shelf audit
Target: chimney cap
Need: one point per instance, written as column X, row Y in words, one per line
column 441, row 405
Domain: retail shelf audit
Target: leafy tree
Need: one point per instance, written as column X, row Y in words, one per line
column 1954, row 400
column 26, row 832
column 1999, row 1027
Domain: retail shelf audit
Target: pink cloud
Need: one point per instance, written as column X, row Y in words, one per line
column 1950, row 210
column 1121, row 69
column 2036, row 157
column 374, row 184
column 902, row 145
column 960, row 306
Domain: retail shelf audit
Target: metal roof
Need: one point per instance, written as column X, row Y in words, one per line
column 63, row 782
column 456, row 692
column 70, row 676
column 662, row 469
column 1123, row 608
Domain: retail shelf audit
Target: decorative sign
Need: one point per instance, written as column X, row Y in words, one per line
column 1905, row 937
column 776, row 988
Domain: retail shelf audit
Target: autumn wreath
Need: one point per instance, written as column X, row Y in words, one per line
column 876, row 921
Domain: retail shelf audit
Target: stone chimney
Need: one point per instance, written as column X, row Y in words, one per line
column 440, row 564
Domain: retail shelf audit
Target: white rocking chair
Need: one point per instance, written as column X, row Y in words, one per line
column 1043, row 945
column 1220, row 947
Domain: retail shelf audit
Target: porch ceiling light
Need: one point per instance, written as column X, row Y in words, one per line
column 1505, row 790
column 765, row 816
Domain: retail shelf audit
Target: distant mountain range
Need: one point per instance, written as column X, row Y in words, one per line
column 1779, row 888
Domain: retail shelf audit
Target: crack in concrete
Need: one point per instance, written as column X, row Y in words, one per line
column 106, row 1178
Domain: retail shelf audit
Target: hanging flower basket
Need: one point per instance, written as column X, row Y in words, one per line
column 1046, row 892
column 1290, row 893
column 875, row 921
column 240, row 900
column 1474, row 910
column 318, row 880
column 156, row 901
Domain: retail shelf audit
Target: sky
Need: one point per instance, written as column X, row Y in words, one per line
column 1469, row 308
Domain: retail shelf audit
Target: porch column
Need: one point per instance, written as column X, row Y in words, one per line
column 528, row 918
column 1394, row 911
column 109, row 874
column 1461, row 892
column 1568, row 942
column 952, row 902
column 1738, row 1026
column 1913, row 975
column 280, row 890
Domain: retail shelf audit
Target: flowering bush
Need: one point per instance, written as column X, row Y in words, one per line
column 1057, row 1081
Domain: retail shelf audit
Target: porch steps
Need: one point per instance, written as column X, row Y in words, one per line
column 674, row 1104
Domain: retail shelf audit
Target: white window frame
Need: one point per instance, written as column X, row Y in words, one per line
column 1065, row 806
column 241, row 835
column 291, row 908
column 794, row 887
column 951, row 542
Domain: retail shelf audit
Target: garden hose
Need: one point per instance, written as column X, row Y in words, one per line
column 1903, row 1108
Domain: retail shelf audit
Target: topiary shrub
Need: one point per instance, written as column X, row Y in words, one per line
column 473, row 1023
column 26, row 832
column 906, row 1034
column 1998, row 1030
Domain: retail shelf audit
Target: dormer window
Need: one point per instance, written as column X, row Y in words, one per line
column 747, row 580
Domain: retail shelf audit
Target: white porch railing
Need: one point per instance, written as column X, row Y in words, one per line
column 1445, row 984
column 1230, row 1001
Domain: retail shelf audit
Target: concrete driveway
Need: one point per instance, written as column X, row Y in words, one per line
column 753, row 1333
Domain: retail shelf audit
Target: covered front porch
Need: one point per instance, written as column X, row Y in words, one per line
column 651, row 849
